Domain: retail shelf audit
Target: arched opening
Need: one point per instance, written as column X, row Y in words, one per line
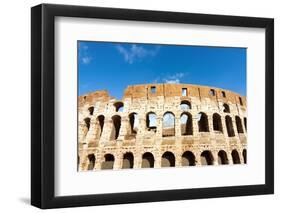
column 91, row 110
column 185, row 105
column 186, row 124
column 188, row 159
column 239, row 124
column 87, row 123
column 245, row 123
column 168, row 160
column 229, row 126
column 151, row 121
column 217, row 125
column 226, row 108
column 235, row 157
column 147, row 160
column 128, row 161
column 100, row 124
column 92, row 161
column 203, row 123
column 222, row 157
column 245, row 155
column 119, row 106
column 108, row 162
column 168, row 124
column 116, row 121
column 134, row 122
column 207, row 158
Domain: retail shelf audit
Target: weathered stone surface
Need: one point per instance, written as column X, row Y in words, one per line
column 125, row 138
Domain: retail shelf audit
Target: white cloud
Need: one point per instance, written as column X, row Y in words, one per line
column 84, row 54
column 136, row 52
column 86, row 59
column 174, row 79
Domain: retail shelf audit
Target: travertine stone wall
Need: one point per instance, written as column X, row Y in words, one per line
column 97, row 131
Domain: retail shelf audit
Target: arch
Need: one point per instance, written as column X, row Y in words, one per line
column 128, row 160
column 147, row 160
column 168, row 160
column 92, row 161
column 235, row 157
column 116, row 121
column 207, row 158
column 91, row 110
column 186, row 124
column 217, row 125
column 100, row 124
column 222, row 157
column 245, row 155
column 245, row 123
column 134, row 122
column 168, row 124
column 203, row 123
column 108, row 162
column 226, row 108
column 188, row 159
column 87, row 123
column 119, row 106
column 229, row 126
column 239, row 124
column 151, row 120
column 185, row 105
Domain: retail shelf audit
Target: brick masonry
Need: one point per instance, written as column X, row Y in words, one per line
column 111, row 138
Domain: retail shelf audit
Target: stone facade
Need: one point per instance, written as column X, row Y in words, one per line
column 160, row 125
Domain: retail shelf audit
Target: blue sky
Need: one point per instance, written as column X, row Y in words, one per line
column 114, row 66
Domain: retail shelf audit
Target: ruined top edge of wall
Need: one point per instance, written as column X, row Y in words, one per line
column 166, row 90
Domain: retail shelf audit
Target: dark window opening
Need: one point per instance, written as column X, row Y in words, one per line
column 207, row 158
column 92, row 161
column 87, row 123
column 229, row 126
column 168, row 160
column 133, row 123
column 119, row 107
column 108, row 162
column 235, row 157
column 188, row 159
column 128, row 161
column 240, row 100
column 147, row 160
column 222, row 157
column 116, row 120
column 91, row 110
column 100, row 121
column 239, row 124
column 203, row 123
column 226, row 108
column 223, row 94
column 217, row 124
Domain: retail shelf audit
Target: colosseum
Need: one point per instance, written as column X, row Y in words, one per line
column 161, row 125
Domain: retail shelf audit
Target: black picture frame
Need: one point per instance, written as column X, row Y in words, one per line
column 43, row 102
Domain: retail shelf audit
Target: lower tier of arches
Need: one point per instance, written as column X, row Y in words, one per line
column 130, row 159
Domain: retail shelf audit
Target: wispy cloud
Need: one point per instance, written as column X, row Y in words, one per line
column 84, row 54
column 136, row 52
column 174, row 79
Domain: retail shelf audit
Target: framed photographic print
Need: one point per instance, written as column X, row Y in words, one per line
column 139, row 106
